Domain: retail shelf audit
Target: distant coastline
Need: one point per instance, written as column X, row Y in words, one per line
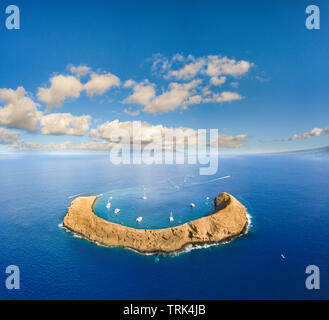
column 227, row 222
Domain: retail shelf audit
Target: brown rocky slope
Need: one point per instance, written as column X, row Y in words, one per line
column 228, row 221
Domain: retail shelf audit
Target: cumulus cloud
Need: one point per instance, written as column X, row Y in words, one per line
column 20, row 111
column 158, row 134
column 61, row 87
column 192, row 100
column 142, row 94
column 223, row 65
column 64, row 123
column 171, row 99
column 105, row 130
column 69, row 86
column 228, row 141
column 182, row 93
column 100, row 83
column 316, row 132
column 217, row 81
column 8, row 136
column 129, row 83
column 131, row 112
column 181, row 67
column 177, row 95
column 147, row 132
column 225, row 96
column 80, row 71
column 13, row 140
column 106, row 137
column 189, row 70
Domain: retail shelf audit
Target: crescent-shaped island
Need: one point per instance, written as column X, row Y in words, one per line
column 228, row 221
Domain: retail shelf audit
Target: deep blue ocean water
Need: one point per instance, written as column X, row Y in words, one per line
column 287, row 197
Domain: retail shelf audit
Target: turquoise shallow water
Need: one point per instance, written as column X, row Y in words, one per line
column 155, row 205
column 287, row 197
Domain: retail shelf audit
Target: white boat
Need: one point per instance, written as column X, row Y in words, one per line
column 110, row 197
column 144, row 197
column 117, row 211
column 192, row 204
column 207, row 198
column 171, row 218
column 139, row 219
column 108, row 205
column 282, row 256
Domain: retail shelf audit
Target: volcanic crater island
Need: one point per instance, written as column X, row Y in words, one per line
column 228, row 221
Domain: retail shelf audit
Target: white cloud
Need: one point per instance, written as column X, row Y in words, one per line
column 225, row 96
column 105, row 130
column 177, row 95
column 158, row 133
column 192, row 100
column 100, row 83
column 223, row 65
column 142, row 94
column 217, row 81
column 173, row 98
column 131, row 112
column 216, row 67
column 189, row 70
column 64, row 123
column 160, row 62
column 181, row 67
column 148, row 132
column 12, row 139
column 316, row 132
column 227, row 141
column 80, row 70
column 61, row 87
column 8, row 137
column 129, row 83
column 20, row 111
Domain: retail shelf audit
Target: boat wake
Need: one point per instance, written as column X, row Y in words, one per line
column 76, row 195
column 212, row 180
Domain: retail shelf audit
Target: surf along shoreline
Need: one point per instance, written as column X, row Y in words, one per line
column 228, row 221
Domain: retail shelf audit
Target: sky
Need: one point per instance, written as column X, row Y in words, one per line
column 75, row 71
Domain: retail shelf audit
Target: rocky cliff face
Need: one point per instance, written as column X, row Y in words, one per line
column 229, row 221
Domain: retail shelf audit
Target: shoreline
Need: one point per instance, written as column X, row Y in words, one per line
column 229, row 221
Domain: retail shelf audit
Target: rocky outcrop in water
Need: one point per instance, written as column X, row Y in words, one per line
column 228, row 221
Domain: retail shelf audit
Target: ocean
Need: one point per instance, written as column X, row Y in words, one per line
column 286, row 196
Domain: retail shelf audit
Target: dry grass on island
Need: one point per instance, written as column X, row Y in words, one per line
column 228, row 221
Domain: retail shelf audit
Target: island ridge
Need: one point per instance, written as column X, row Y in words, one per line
column 228, row 221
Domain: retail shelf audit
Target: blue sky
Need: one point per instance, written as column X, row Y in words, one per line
column 282, row 91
